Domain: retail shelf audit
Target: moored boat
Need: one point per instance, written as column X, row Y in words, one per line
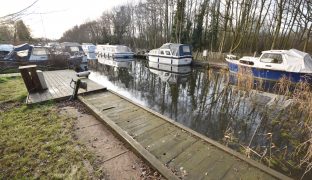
column 26, row 52
column 89, row 50
column 173, row 54
column 292, row 64
column 115, row 52
column 74, row 51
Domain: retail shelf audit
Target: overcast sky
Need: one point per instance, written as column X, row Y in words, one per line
column 60, row 15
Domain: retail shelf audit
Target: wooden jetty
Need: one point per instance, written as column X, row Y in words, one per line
column 173, row 149
column 58, row 83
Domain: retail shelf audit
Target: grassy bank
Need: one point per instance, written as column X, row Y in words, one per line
column 37, row 141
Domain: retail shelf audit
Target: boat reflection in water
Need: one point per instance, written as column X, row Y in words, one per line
column 170, row 74
column 116, row 63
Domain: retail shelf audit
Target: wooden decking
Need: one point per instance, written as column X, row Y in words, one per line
column 58, row 86
column 174, row 150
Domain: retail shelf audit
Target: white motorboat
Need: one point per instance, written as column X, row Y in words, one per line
column 172, row 54
column 115, row 52
column 276, row 64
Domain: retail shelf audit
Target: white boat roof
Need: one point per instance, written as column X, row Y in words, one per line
column 6, row 47
column 294, row 60
column 119, row 48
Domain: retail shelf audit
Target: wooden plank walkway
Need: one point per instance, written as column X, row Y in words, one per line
column 58, row 83
column 174, row 150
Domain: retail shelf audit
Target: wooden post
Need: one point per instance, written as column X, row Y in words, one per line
column 27, row 80
column 35, row 78
column 30, row 78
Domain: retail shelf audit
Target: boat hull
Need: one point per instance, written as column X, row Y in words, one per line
column 123, row 55
column 270, row 74
column 179, row 61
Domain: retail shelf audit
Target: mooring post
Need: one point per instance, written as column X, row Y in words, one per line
column 76, row 88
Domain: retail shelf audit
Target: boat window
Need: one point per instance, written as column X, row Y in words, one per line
column 246, row 62
column 39, row 51
column 168, row 53
column 272, row 58
column 162, row 52
column 74, row 49
column 186, row 49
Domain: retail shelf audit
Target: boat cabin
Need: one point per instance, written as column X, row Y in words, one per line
column 286, row 60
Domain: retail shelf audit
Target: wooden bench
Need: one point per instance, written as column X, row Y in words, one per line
column 30, row 78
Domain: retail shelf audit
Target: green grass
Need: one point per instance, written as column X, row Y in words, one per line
column 9, row 70
column 37, row 141
column 12, row 89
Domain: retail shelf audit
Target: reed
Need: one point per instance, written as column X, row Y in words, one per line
column 285, row 124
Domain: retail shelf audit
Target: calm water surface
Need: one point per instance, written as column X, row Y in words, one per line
column 203, row 100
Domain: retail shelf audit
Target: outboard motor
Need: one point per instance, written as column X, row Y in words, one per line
column 79, row 84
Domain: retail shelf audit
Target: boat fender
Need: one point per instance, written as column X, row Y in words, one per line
column 83, row 74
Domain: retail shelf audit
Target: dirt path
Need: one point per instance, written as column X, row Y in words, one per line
column 113, row 159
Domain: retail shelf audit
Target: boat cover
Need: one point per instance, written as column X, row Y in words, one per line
column 178, row 49
column 296, row 61
column 6, row 47
column 23, row 47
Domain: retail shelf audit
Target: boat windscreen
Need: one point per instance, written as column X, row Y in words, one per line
column 123, row 49
column 39, row 51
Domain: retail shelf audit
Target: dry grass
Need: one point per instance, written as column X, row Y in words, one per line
column 291, row 124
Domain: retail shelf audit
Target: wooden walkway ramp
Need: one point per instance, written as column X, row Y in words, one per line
column 58, row 83
column 174, row 150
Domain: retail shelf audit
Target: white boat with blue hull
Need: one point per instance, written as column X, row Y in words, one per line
column 172, row 54
column 276, row 64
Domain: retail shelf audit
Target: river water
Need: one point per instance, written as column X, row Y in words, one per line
column 209, row 102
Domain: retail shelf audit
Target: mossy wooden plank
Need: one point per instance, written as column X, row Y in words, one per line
column 241, row 170
column 192, row 158
column 100, row 102
column 129, row 114
column 154, row 134
column 144, row 127
column 152, row 145
column 253, row 173
column 169, row 151
column 178, row 137
column 213, row 167
column 106, row 99
column 115, row 113
column 91, row 97
column 187, row 154
column 131, row 123
column 146, row 123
